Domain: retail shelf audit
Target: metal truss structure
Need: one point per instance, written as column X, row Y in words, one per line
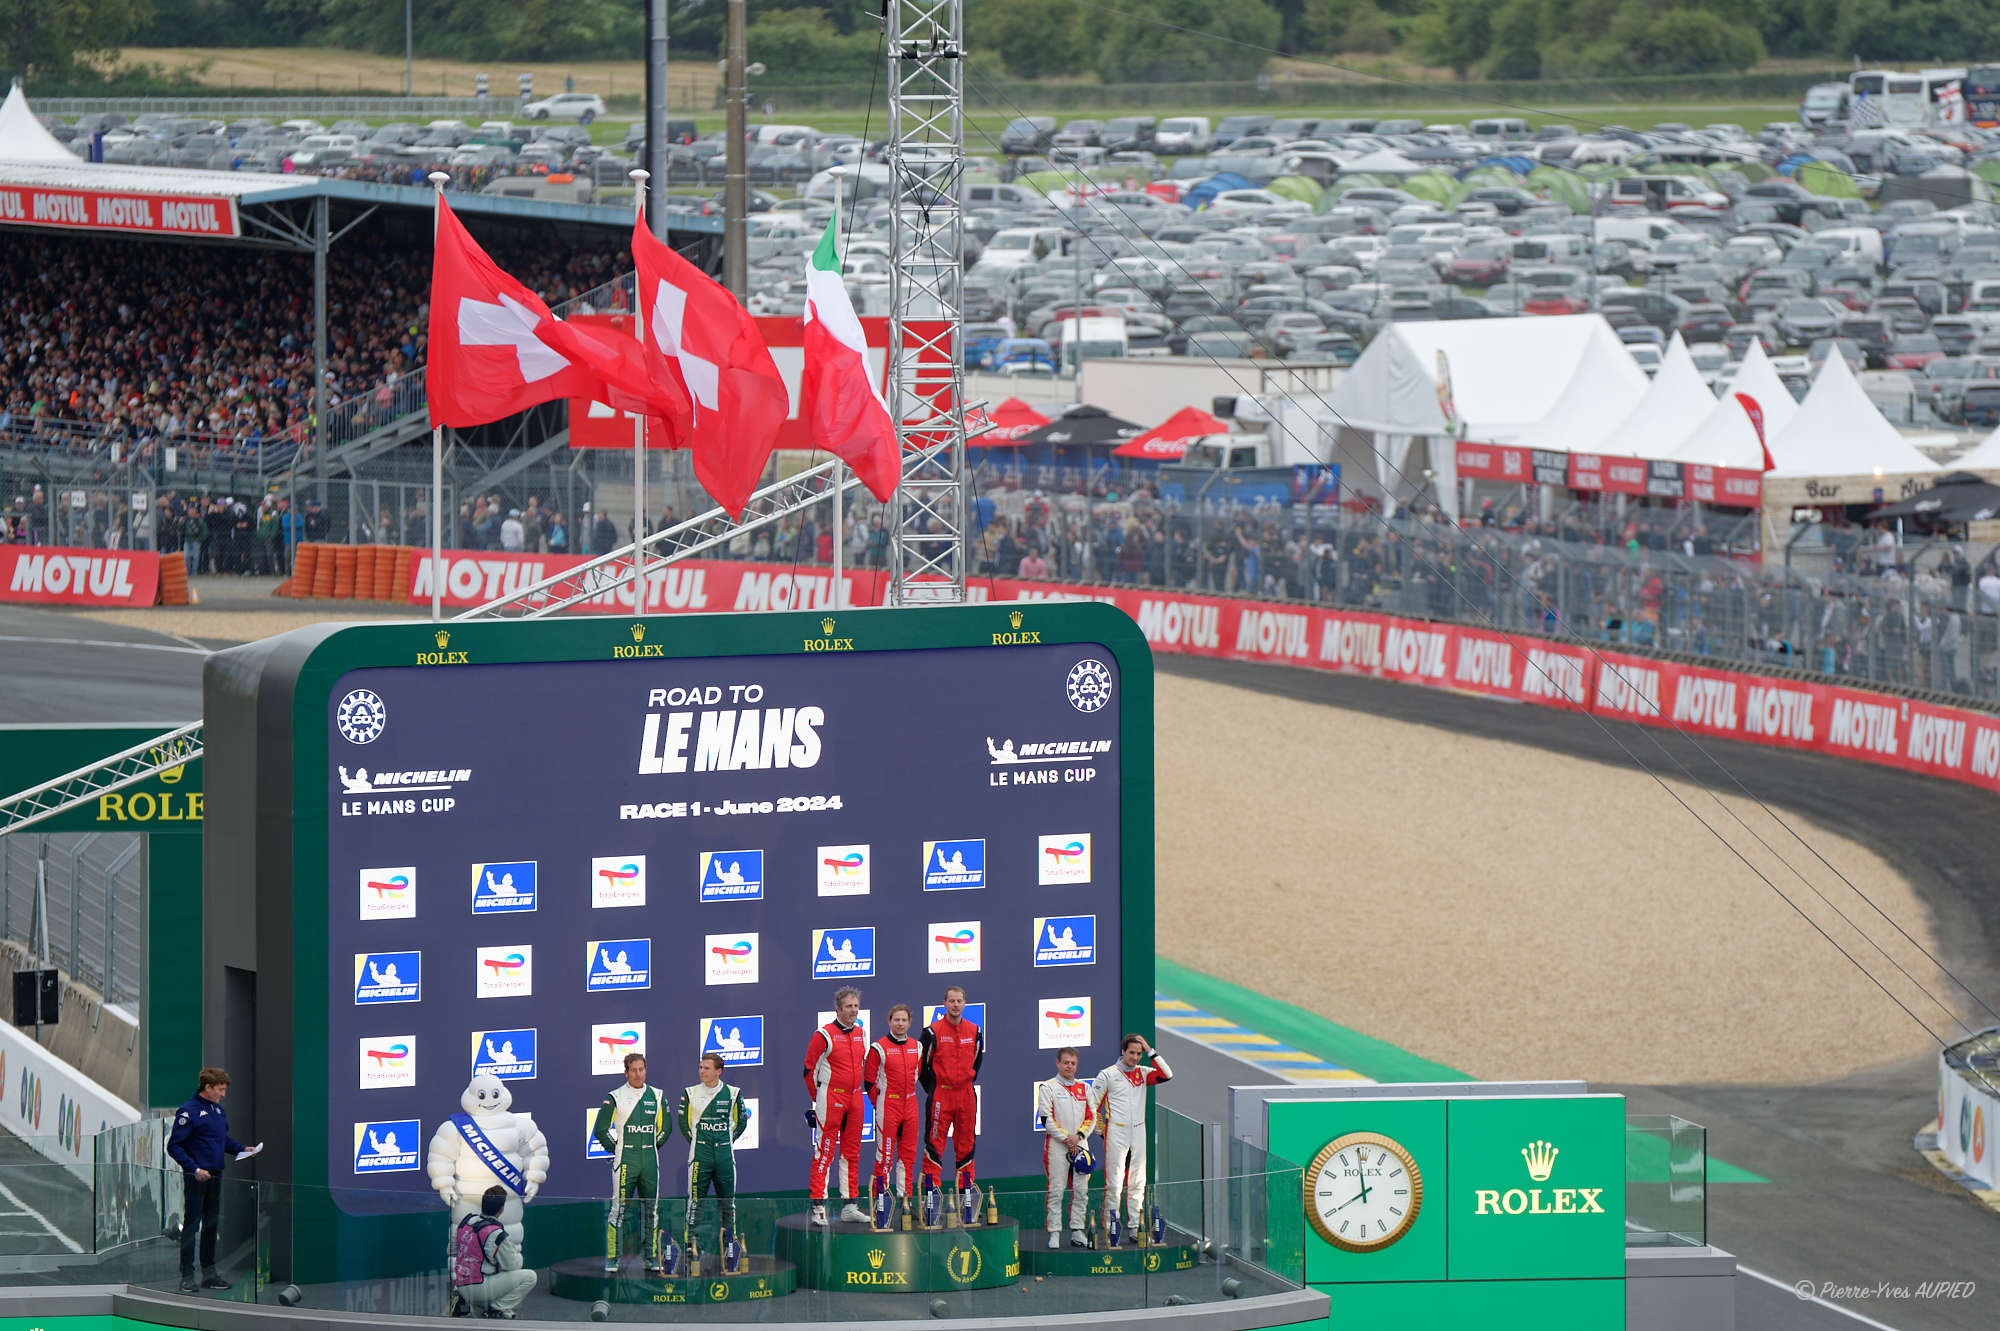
column 925, row 41
column 144, row 759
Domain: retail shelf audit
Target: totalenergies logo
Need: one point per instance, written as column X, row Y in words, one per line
column 395, row 888
column 622, row 876
column 957, row 942
column 845, row 865
column 31, row 1098
column 733, row 954
column 1066, row 1018
column 506, row 965
column 613, row 1043
column 393, row 1056
column 1978, row 1135
column 69, row 1125
column 1065, row 855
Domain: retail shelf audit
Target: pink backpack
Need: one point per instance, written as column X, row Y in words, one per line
column 468, row 1250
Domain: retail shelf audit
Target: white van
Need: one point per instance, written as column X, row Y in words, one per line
column 771, row 136
column 1101, row 338
column 981, row 194
column 1860, row 242
column 1643, row 231
column 1500, row 129
column 1183, row 134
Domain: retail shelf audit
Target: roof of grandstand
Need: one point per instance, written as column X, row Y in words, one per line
column 42, row 183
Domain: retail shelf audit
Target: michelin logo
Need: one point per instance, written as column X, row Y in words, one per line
column 503, row 889
column 387, row 1147
column 732, row 875
column 842, row 954
column 508, row 1055
column 388, row 977
column 951, row 865
column 620, row 963
column 739, row 1040
column 1066, row 940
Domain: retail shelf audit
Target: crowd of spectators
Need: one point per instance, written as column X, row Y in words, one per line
column 143, row 344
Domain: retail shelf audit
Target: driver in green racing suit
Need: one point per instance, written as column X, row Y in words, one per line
column 630, row 1124
column 713, row 1116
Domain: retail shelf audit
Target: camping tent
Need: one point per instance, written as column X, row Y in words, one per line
column 1726, row 437
column 1674, row 404
column 1383, row 162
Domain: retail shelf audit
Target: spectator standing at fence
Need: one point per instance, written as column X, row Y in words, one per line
column 243, row 534
column 510, row 532
column 315, row 521
column 558, row 533
column 201, row 1145
column 603, row 535
column 268, row 560
column 417, row 526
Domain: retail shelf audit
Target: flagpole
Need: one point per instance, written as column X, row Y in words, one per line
column 437, row 179
column 639, row 176
column 839, row 537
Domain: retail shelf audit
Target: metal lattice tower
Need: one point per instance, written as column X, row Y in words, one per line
column 925, row 40
column 72, row 790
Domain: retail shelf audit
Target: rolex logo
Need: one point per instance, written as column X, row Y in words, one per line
column 443, row 637
column 826, row 626
column 875, row 1258
column 638, row 633
column 1541, row 1158
column 1015, row 619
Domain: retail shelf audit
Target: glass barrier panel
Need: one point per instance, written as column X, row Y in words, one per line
column 1666, row 1182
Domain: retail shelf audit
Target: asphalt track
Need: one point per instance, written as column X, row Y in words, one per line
column 1849, row 1202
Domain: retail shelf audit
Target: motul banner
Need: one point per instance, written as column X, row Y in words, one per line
column 117, row 210
column 52, row 575
column 1818, row 717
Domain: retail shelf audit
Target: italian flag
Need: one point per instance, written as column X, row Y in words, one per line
column 838, row 397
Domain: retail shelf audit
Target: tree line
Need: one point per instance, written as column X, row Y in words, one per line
column 1118, row 41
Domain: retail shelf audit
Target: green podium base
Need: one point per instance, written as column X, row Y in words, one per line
column 586, row 1280
column 855, row 1257
column 1178, row 1253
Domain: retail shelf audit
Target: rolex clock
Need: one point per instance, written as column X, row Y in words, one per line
column 1363, row 1191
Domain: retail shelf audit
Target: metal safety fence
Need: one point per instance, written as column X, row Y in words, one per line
column 91, row 886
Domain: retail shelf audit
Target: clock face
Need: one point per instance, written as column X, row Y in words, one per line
column 1363, row 1191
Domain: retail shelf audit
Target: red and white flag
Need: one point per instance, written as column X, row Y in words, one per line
column 837, row 395
column 495, row 348
column 739, row 399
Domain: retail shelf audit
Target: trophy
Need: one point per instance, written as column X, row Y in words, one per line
column 992, row 1206
column 881, row 1205
column 670, row 1256
column 968, row 1199
column 693, row 1255
column 933, row 1203
column 906, row 1213
column 732, row 1253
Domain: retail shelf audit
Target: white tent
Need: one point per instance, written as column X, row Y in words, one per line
column 1837, row 431
column 1674, row 404
column 23, row 138
column 1983, row 456
column 1382, row 162
column 1725, row 437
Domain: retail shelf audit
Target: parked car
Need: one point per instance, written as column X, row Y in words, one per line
column 582, row 107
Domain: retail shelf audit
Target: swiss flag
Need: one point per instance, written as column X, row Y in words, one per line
column 495, row 348
column 739, row 399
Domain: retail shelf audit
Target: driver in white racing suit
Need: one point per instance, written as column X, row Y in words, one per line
column 1119, row 1092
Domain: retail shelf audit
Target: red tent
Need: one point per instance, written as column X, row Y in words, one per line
column 1012, row 420
column 1169, row 439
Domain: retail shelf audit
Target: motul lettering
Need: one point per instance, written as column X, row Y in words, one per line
column 1271, row 633
column 189, row 216
column 10, row 207
column 1937, row 739
column 479, row 579
column 1700, row 701
column 1176, row 623
column 1411, row 652
column 1863, row 725
column 79, row 575
column 114, row 211
column 1630, row 689
column 1481, row 661
column 1342, row 642
column 1779, row 713
column 1986, row 754
column 790, row 591
column 1554, row 675
column 64, row 209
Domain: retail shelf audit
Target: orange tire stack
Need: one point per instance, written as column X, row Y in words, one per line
column 365, row 558
column 305, row 560
column 392, row 573
column 325, row 572
column 344, row 560
column 173, row 580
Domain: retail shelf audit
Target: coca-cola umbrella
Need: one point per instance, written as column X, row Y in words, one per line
column 1011, row 421
column 1168, row 440
column 1958, row 497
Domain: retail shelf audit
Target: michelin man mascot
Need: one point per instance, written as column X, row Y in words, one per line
column 485, row 1145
